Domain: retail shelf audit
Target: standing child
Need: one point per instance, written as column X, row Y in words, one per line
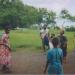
column 54, row 59
column 5, row 51
column 63, row 44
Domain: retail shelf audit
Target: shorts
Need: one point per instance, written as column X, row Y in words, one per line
column 46, row 41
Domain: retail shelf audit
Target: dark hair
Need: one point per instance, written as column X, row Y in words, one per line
column 62, row 32
column 45, row 26
column 6, row 26
column 55, row 42
column 52, row 35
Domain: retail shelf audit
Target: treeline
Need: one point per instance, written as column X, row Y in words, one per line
column 71, row 29
column 15, row 14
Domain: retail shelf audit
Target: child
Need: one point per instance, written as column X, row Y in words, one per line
column 63, row 44
column 54, row 59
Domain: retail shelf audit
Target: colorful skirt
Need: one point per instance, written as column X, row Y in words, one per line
column 5, row 56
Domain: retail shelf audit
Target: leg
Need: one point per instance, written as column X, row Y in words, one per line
column 64, row 60
column 48, row 46
column 3, row 68
column 43, row 45
column 64, row 55
column 6, row 69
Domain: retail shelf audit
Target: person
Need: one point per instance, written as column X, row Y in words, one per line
column 63, row 44
column 54, row 59
column 5, row 52
column 50, row 41
column 44, row 34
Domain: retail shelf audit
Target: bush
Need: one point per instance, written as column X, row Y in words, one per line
column 72, row 29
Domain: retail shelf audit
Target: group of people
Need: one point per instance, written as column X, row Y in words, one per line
column 56, row 45
column 57, row 50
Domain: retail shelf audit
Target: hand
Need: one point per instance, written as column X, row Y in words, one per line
column 10, row 49
column 44, row 71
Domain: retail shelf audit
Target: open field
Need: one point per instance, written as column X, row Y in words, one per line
column 31, row 39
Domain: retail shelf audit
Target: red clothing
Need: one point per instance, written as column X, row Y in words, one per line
column 5, row 54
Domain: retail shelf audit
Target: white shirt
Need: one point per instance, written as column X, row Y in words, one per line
column 50, row 45
column 44, row 33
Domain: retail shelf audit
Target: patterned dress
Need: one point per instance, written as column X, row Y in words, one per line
column 5, row 54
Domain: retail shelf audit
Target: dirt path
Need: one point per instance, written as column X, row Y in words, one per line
column 34, row 63
column 28, row 63
column 69, row 68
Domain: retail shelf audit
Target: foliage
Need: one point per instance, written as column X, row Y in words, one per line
column 16, row 14
column 71, row 29
column 64, row 14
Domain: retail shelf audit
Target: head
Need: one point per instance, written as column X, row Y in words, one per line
column 7, row 30
column 55, row 42
column 52, row 35
column 61, row 32
column 45, row 26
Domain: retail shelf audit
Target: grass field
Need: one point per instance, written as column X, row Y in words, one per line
column 30, row 39
column 25, row 39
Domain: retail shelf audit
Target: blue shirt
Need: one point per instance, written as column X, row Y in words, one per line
column 54, row 57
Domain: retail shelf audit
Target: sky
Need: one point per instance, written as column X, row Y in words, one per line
column 55, row 5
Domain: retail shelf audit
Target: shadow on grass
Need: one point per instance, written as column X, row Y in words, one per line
column 24, row 46
column 38, row 47
column 28, row 46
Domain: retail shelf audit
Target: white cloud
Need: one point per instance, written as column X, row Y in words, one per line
column 55, row 5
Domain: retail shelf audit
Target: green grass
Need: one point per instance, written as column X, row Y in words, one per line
column 30, row 40
column 71, row 39
column 25, row 39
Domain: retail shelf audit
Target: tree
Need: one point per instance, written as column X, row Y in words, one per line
column 17, row 14
column 9, row 12
column 42, row 13
column 47, row 17
column 51, row 18
column 65, row 16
